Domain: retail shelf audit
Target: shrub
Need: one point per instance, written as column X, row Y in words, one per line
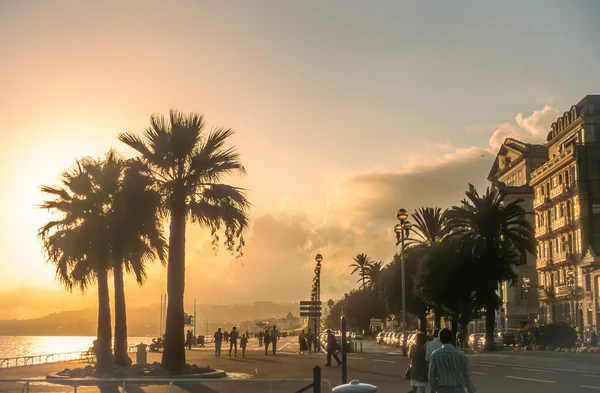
column 557, row 335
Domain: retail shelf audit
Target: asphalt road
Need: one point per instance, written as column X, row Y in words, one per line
column 378, row 365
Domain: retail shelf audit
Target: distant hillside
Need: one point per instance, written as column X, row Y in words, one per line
column 144, row 321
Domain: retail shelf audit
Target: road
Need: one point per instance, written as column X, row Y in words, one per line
column 381, row 366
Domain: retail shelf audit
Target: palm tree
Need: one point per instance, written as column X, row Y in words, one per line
column 76, row 242
column 430, row 225
column 373, row 275
column 498, row 237
column 360, row 265
column 137, row 240
column 188, row 165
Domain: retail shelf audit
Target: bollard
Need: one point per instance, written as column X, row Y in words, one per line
column 361, row 346
column 141, row 356
column 355, row 387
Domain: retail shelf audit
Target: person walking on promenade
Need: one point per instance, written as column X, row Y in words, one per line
column 433, row 345
column 233, row 336
column 243, row 344
column 226, row 336
column 274, row 339
column 218, row 341
column 449, row 368
column 302, row 342
column 418, row 364
column 309, row 340
column 267, row 338
column 260, row 339
column 332, row 347
column 188, row 340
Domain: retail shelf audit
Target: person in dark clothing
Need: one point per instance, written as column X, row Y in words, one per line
column 188, row 339
column 418, row 364
column 267, row 338
column 260, row 339
column 332, row 347
column 233, row 336
column 218, row 341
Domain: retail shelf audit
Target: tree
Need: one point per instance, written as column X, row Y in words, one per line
column 188, row 165
column 361, row 265
column 137, row 239
column 359, row 306
column 498, row 238
column 429, row 225
column 373, row 275
column 78, row 241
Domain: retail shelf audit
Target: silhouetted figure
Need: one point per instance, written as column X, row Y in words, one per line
column 188, row 339
column 267, row 338
column 594, row 339
column 302, row 342
column 274, row 339
column 309, row 340
column 243, row 344
column 260, row 338
column 332, row 347
column 226, row 336
column 218, row 341
column 233, row 336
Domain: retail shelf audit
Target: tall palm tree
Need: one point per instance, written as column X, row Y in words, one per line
column 429, row 225
column 360, row 265
column 188, row 165
column 374, row 275
column 498, row 237
column 138, row 239
column 77, row 241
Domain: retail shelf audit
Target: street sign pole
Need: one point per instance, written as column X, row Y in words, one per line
column 344, row 357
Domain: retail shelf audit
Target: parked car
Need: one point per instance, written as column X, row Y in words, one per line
column 481, row 341
column 508, row 339
column 357, row 336
column 380, row 338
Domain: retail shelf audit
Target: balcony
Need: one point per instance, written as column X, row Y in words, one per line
column 560, row 257
column 576, row 212
column 542, row 231
column 545, row 293
column 540, row 201
column 541, row 263
column 560, row 223
column 558, row 191
column 563, row 290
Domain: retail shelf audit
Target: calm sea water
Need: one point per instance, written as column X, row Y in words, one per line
column 13, row 346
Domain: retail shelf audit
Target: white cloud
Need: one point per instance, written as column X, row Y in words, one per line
column 532, row 129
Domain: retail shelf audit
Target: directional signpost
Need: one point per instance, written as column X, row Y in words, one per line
column 310, row 308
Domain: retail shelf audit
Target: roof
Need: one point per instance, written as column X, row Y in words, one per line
column 590, row 105
column 521, row 148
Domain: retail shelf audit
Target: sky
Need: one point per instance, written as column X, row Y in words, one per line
column 344, row 112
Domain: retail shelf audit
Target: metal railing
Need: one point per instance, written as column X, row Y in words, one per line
column 313, row 384
column 78, row 356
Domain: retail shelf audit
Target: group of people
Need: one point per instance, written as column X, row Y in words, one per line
column 439, row 364
column 267, row 337
column 306, row 342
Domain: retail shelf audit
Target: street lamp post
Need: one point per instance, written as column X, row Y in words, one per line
column 319, row 259
column 403, row 230
column 526, row 286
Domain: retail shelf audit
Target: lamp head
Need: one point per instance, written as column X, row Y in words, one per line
column 407, row 226
column 402, row 215
column 398, row 228
column 319, row 258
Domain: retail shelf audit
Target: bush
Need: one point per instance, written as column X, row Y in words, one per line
column 557, row 335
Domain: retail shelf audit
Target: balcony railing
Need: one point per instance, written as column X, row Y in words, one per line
column 560, row 223
column 558, row 191
column 552, row 163
column 542, row 293
column 540, row 201
column 545, row 293
column 560, row 257
column 542, row 230
column 542, row 262
column 563, row 290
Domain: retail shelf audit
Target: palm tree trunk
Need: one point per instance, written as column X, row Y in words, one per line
column 454, row 329
column 437, row 318
column 174, row 345
column 490, row 323
column 121, row 356
column 104, row 363
column 423, row 322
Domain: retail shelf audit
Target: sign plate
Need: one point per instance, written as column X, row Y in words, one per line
column 310, row 303
column 310, row 314
column 310, row 308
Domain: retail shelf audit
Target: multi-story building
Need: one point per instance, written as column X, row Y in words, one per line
column 511, row 173
column 567, row 206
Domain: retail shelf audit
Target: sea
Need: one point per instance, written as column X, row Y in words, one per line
column 16, row 346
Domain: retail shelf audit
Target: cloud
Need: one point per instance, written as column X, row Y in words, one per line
column 532, row 129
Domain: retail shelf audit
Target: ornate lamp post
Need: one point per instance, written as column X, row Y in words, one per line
column 317, row 296
column 526, row 287
column 403, row 231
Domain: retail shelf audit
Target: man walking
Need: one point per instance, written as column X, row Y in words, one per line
column 309, row 340
column 274, row 339
column 332, row 347
column 449, row 368
column 433, row 345
column 218, row 341
column 233, row 336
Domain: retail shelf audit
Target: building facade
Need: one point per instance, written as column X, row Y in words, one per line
column 511, row 173
column 567, row 222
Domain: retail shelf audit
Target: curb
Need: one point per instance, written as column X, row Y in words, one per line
column 82, row 380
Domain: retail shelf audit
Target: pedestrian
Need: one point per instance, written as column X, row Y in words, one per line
column 418, row 364
column 243, row 344
column 332, row 348
column 267, row 338
column 274, row 339
column 302, row 342
column 188, row 339
column 260, row 339
column 433, row 345
column 233, row 336
column 218, row 341
column 309, row 340
column 226, row 336
column 449, row 368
